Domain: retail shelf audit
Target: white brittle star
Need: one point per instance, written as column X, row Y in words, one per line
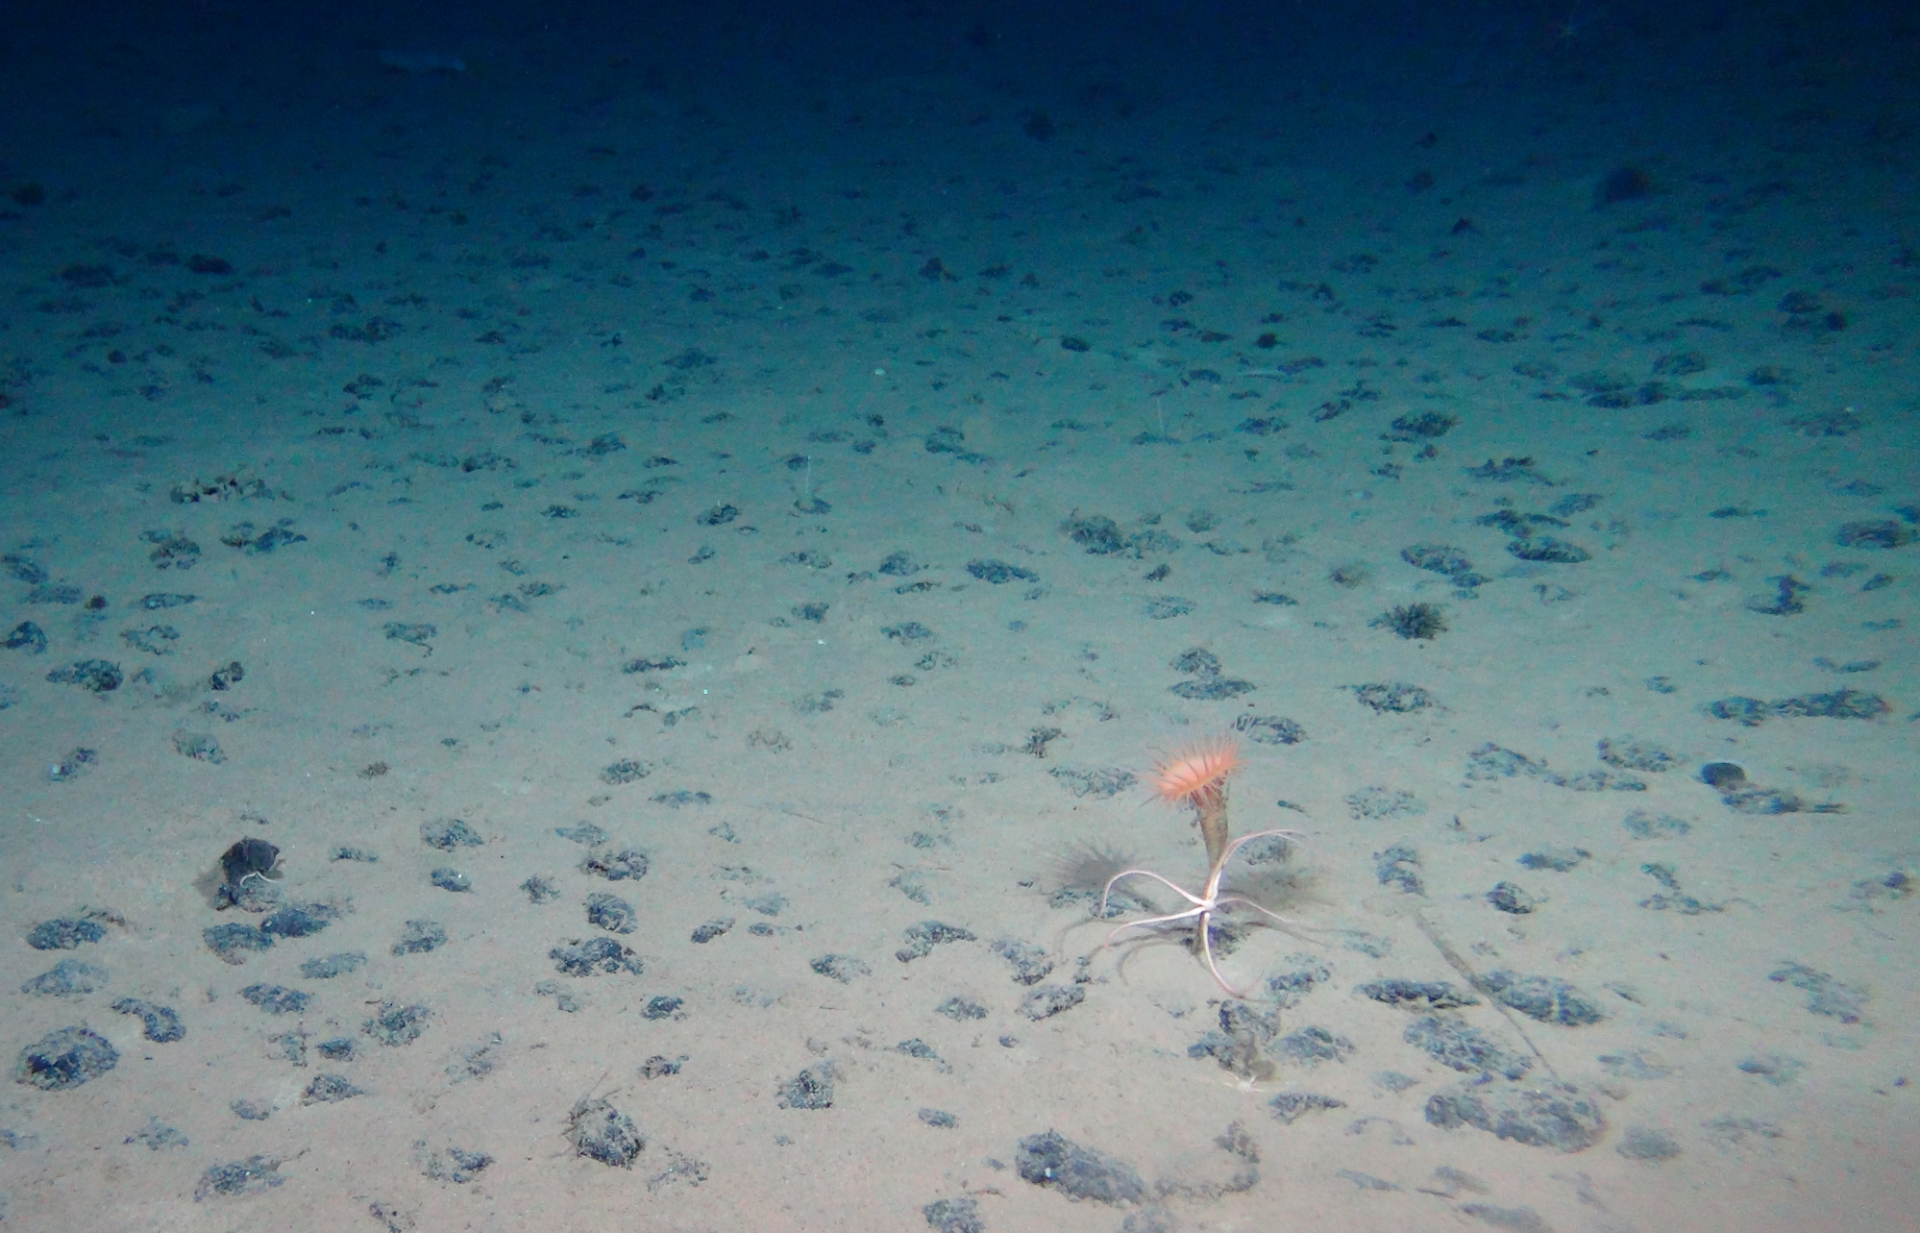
column 1205, row 904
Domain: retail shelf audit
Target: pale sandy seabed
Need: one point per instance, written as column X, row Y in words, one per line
column 796, row 582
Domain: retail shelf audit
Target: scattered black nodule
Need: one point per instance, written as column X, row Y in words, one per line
column 603, row 1133
column 1723, row 775
column 1507, row 897
column 27, row 636
column 923, row 937
column 397, row 1025
column 1546, row 548
column 65, row 979
column 162, row 1023
column 299, row 920
column 577, row 958
column 997, row 572
column 65, row 1059
column 1417, row 994
column 812, row 1088
column 329, row 1089
column 96, row 675
column 1465, row 1048
column 1869, row 533
column 65, row 933
column 1627, row 183
column 249, row 1176
column 1546, row 998
column 276, row 999
column 842, row 968
column 1423, row 621
column 449, row 834
column 232, row 941
column 1047, row 1001
column 1290, row 1107
column 612, row 913
column 1393, row 697
column 1827, row 996
column 419, row 937
column 951, row 1215
column 1555, row 1116
column 1031, row 963
column 1054, row 1160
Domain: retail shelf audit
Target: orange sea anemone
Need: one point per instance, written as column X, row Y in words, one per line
column 1197, row 775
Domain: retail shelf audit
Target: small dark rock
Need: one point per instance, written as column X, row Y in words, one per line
column 1399, row 866
column 961, row 1009
column 1546, row 548
column 954, row 1216
column 329, row 1089
column 449, row 834
column 1723, row 776
column 1031, row 964
column 1465, row 1048
column 626, row 771
column 456, row 1165
column 65, row 1059
column 1549, row 1116
column 1312, row 1045
column 1000, row 572
column 1049, row 1000
column 1509, row 898
column 1289, row 1107
column 28, row 637
column 327, row 967
column 397, row 1025
column 1558, row 860
column 1418, row 994
column 923, row 937
column 612, row 913
column 842, row 968
column 624, row 865
column 1642, row 1143
column 603, row 1133
column 1212, row 689
column 65, row 979
column 162, row 1023
column 1827, row 996
column 276, row 999
column 299, row 920
column 1270, row 729
column 602, row 955
column 232, row 942
column 250, row 1176
column 812, row 1088
column 1871, row 533
column 95, row 675
column 1634, row 755
column 64, row 934
column 419, row 937
column 1393, row 698
column 1625, row 183
column 1053, row 1160
column 1546, row 998
column 1099, row 535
